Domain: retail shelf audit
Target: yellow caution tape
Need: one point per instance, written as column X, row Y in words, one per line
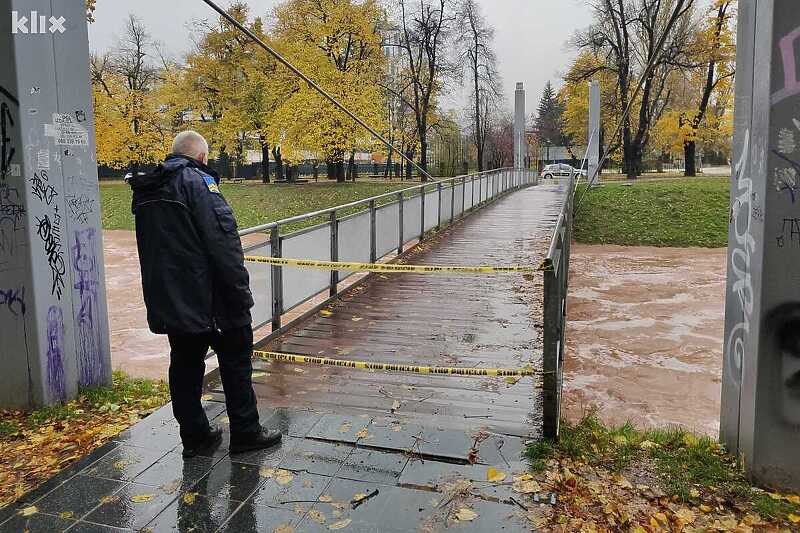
column 386, row 267
column 411, row 369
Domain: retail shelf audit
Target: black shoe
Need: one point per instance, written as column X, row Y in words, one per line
column 248, row 442
column 211, row 441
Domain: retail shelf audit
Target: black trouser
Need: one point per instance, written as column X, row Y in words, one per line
column 187, row 367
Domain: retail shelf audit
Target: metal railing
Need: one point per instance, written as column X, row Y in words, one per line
column 556, row 284
column 383, row 225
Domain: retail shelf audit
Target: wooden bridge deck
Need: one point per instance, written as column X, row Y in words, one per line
column 438, row 320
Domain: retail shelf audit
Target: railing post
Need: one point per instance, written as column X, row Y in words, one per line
column 334, row 253
column 439, row 211
column 480, row 189
column 453, row 200
column 550, row 366
column 400, row 224
column 422, row 213
column 373, row 240
column 277, row 278
column 463, row 196
column 472, row 192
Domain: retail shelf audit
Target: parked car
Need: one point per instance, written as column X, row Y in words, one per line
column 561, row 170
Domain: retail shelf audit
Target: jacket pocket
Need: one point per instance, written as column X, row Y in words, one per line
column 225, row 218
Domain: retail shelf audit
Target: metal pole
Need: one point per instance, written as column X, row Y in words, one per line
column 400, row 222
column 439, row 211
column 463, row 195
column 453, row 201
column 552, row 336
column 277, row 279
column 334, row 253
column 373, row 238
column 422, row 214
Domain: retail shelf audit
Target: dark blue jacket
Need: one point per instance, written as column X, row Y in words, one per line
column 193, row 273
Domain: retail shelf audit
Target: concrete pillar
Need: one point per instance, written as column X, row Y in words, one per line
column 520, row 144
column 593, row 137
column 53, row 315
column 760, row 417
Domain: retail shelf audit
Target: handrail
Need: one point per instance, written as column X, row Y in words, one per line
column 329, row 210
column 556, row 284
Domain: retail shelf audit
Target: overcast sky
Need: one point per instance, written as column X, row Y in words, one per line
column 530, row 38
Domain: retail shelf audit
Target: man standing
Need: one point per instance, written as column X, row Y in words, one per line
column 197, row 291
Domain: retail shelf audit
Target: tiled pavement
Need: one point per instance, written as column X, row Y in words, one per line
column 140, row 482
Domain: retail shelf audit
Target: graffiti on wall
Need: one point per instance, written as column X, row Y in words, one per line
column 55, row 353
column 12, row 222
column 13, row 300
column 91, row 362
column 742, row 248
column 7, row 148
column 791, row 84
column 49, row 231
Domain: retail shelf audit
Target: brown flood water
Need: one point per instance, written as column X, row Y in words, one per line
column 645, row 335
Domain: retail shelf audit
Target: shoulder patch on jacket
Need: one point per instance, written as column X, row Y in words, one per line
column 211, row 183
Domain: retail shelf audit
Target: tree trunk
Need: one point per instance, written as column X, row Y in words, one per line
column 387, row 173
column 423, row 155
column 264, row 162
column 276, row 153
column 409, row 168
column 340, row 176
column 316, row 172
column 351, row 164
column 330, row 167
column 689, row 150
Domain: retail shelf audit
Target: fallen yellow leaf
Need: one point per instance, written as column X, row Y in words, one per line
column 358, row 496
column 466, row 515
column 109, row 499
column 363, row 434
column 29, row 511
column 206, row 397
column 647, row 445
column 705, row 508
column 795, row 499
column 316, row 516
column 284, row 528
column 142, row 498
column 189, row 498
column 794, row 519
column 325, row 499
column 66, row 515
column 283, row 477
column 685, row 515
column 775, row 496
column 494, row 475
column 341, row 524
column 356, row 319
column 694, row 493
column 266, row 472
column 325, row 312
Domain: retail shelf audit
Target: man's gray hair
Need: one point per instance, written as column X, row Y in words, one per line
column 191, row 144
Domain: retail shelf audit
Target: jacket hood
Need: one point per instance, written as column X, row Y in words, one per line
column 166, row 170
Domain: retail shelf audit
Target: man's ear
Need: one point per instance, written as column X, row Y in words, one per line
column 204, row 159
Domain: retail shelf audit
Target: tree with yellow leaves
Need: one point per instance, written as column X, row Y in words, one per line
column 129, row 123
column 715, row 48
column 339, row 41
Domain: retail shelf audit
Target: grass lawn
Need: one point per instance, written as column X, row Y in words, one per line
column 36, row 445
column 680, row 212
column 623, row 479
column 255, row 203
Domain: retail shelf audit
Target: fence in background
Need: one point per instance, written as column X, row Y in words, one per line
column 556, row 283
column 383, row 225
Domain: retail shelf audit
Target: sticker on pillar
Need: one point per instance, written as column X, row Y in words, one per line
column 66, row 131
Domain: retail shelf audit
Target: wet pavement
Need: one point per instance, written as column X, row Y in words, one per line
column 404, row 440
column 645, row 335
